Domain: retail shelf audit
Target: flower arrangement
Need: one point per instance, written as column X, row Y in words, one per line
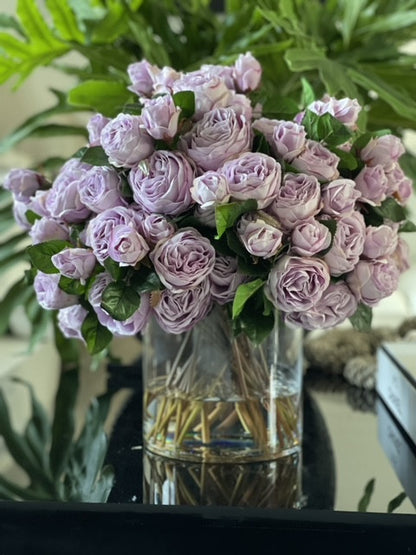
column 191, row 197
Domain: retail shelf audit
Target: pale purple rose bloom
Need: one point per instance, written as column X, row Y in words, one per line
column 164, row 79
column 184, row 260
column 19, row 214
column 160, row 117
column 75, row 263
column 210, row 189
column 399, row 185
column 401, row 256
column 63, row 200
column 180, row 311
column 224, row 279
column 162, row 183
column 259, row 237
column 132, row 325
column 383, row 151
column 348, row 244
column 100, row 189
column 126, row 245
column 288, row 140
column 297, row 200
column 241, row 105
column 253, row 175
column 345, row 110
column 266, row 127
column 336, row 305
column 339, row 197
column 49, row 294
column 156, row 228
column 223, row 72
column 210, row 91
column 297, row 283
column 70, row 320
column 317, row 160
column 373, row 280
column 380, row 241
column 141, row 76
column 23, row 184
column 372, row 184
column 46, row 229
column 125, row 141
column 219, row 135
column 309, row 238
column 38, row 203
column 247, row 72
column 94, row 126
column 100, row 229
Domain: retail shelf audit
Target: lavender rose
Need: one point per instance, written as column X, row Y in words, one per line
column 297, row 284
column 126, row 245
column 373, row 280
column 210, row 189
column 180, row 311
column 247, row 72
column 125, row 141
column 99, row 234
column 184, row 260
column 70, row 320
column 100, row 189
column 220, row 134
column 253, row 175
column 210, row 91
column 23, row 184
column 223, row 72
column 380, row 241
column 156, row 228
column 309, row 238
column 348, row 244
column 399, row 185
column 46, row 229
column 75, row 263
column 401, row 256
column 372, row 184
column 297, row 200
column 383, row 151
column 94, row 126
column 63, row 201
column 266, row 127
column 160, row 117
column 317, row 160
column 19, row 214
column 48, row 293
column 259, row 237
column 288, row 140
column 224, row 279
column 345, row 110
column 336, row 305
column 162, row 183
column 339, row 197
column 141, row 76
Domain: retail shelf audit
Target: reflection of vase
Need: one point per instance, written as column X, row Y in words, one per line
column 209, row 396
column 270, row 485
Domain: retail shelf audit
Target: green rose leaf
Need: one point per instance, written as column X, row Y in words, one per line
column 391, row 210
column 408, row 226
column 40, row 254
column 260, row 143
column 185, row 100
column 120, row 300
column 96, row 336
column 308, row 94
column 243, row 294
column 325, row 128
column 71, row 286
column 106, row 97
column 114, row 269
column 332, row 226
column 31, row 216
column 95, row 156
column 227, row 214
column 361, row 319
column 144, row 283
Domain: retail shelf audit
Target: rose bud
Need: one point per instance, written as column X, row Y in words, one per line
column 126, row 245
column 210, row 189
column 247, row 72
column 259, row 237
column 348, row 244
column 70, row 320
column 94, row 126
column 373, row 280
column 23, row 184
column 46, row 229
column 49, row 294
column 317, row 160
column 383, row 151
column 288, row 140
column 372, row 184
column 339, row 197
column 309, row 238
column 75, row 263
column 380, row 241
column 160, row 117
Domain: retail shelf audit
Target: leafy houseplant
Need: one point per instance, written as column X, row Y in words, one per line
column 196, row 207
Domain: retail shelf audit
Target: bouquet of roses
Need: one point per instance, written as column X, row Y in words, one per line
column 192, row 196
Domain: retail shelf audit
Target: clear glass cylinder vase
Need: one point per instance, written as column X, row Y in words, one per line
column 213, row 397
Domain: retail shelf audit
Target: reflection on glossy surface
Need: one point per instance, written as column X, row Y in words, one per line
column 273, row 485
